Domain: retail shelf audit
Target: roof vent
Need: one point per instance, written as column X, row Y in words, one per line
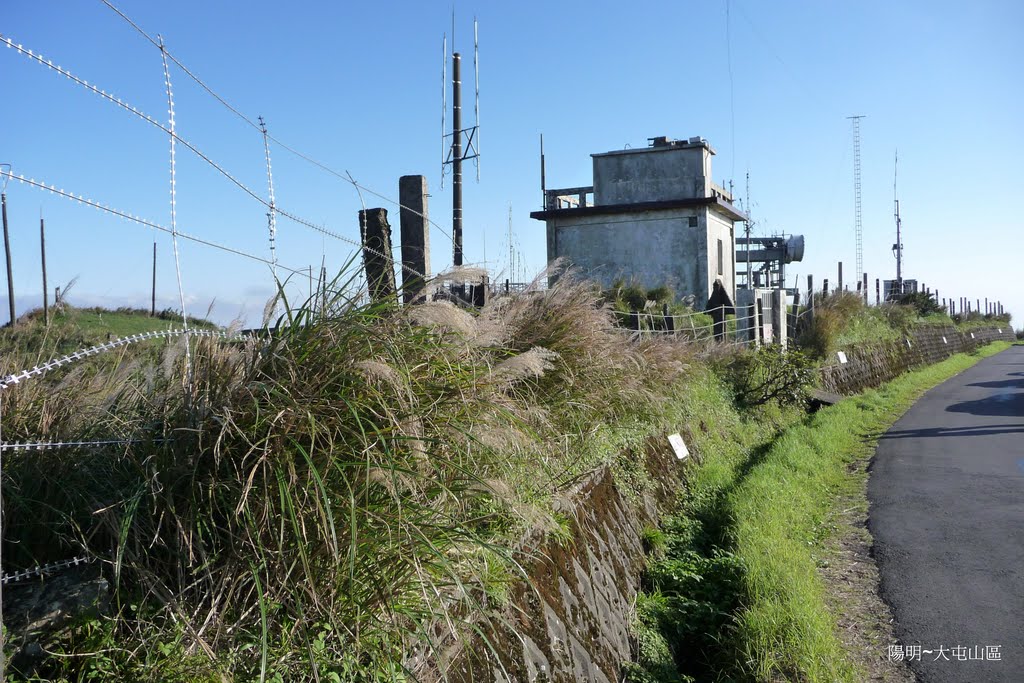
column 660, row 141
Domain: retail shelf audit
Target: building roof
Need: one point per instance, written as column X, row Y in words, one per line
column 716, row 204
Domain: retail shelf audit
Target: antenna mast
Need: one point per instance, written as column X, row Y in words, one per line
column 456, row 153
column 747, row 224
column 857, row 224
column 898, row 247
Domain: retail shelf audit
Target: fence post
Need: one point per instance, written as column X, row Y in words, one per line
column 810, row 294
column 415, row 227
column 878, row 291
column 152, row 308
column 824, row 287
column 839, row 282
column 865, row 288
column 779, row 317
column 376, row 233
column 634, row 320
column 7, row 249
column 46, row 288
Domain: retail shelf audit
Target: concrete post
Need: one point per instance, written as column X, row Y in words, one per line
column 779, row 317
column 839, row 282
column 380, row 272
column 415, row 227
column 878, row 291
column 810, row 294
column 865, row 288
column 824, row 287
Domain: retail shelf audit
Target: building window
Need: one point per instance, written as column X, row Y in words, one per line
column 693, row 221
column 721, row 258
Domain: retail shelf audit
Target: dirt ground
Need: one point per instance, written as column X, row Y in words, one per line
column 852, row 585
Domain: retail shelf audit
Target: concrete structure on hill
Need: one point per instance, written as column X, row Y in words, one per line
column 653, row 216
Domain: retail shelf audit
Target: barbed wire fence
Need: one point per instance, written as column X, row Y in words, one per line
column 269, row 204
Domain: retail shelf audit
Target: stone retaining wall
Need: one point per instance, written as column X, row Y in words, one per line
column 570, row 623
column 870, row 365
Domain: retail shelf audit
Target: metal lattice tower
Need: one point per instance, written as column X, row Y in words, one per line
column 858, row 228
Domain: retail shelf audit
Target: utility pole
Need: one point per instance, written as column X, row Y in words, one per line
column 7, row 249
column 857, row 224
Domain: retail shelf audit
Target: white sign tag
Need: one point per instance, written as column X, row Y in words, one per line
column 679, row 446
column 842, row 357
column 944, row 341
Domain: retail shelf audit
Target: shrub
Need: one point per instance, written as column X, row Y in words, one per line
column 768, row 375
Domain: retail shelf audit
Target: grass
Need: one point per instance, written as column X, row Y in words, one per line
column 784, row 630
column 325, row 503
column 732, row 591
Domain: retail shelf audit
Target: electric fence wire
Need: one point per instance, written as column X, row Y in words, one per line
column 17, row 446
column 22, row 375
column 81, row 199
column 41, row 570
column 210, row 91
column 220, row 169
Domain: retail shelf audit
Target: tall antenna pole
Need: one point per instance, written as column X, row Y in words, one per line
column 898, row 247
column 457, row 152
column 511, row 248
column 857, row 224
column 746, row 229
column 444, row 105
column 543, row 185
column 476, row 90
column 457, row 157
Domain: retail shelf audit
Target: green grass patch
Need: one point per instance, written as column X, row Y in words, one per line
column 732, row 591
column 784, row 629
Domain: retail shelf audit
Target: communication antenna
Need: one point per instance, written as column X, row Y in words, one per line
column 444, row 103
column 456, row 153
column 898, row 247
column 511, row 247
column 747, row 225
column 857, row 226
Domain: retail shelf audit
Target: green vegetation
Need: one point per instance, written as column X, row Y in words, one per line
column 316, row 504
column 734, row 593
column 326, row 503
column 842, row 319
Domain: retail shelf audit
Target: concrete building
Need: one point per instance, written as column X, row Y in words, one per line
column 653, row 215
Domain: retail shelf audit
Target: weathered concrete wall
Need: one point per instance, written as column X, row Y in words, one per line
column 654, row 248
column 571, row 622
column 720, row 228
column 651, row 175
column 870, row 365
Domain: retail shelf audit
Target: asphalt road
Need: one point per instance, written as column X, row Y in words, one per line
column 947, row 515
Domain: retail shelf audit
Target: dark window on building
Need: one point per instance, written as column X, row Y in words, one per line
column 721, row 258
column 693, row 221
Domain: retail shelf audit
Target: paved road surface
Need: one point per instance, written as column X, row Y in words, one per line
column 947, row 515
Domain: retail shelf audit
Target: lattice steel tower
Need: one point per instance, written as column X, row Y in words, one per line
column 857, row 224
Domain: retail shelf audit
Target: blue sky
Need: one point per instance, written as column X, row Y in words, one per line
column 357, row 86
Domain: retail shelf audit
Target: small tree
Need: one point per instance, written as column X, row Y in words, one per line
column 770, row 374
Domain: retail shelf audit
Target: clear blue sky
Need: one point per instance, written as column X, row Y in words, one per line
column 357, row 85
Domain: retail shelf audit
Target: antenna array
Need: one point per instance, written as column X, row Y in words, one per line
column 455, row 152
